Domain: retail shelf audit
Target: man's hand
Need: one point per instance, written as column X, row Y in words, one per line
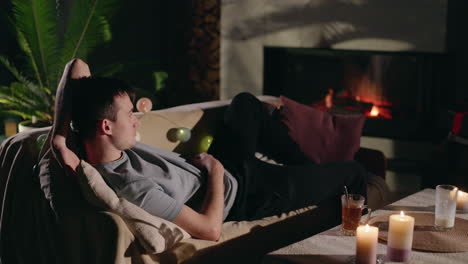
column 67, row 158
column 80, row 69
column 206, row 224
column 208, row 162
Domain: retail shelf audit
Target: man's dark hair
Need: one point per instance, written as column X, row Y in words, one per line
column 92, row 100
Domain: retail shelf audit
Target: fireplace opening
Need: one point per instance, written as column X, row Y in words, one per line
column 401, row 93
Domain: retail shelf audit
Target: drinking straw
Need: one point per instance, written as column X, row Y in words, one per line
column 369, row 212
column 347, row 196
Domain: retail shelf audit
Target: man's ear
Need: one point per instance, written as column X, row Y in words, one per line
column 105, row 127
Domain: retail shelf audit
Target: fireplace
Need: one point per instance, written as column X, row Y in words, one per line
column 401, row 93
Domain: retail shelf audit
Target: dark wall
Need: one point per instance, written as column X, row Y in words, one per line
column 139, row 36
column 457, row 46
column 178, row 37
column 147, row 37
column 8, row 45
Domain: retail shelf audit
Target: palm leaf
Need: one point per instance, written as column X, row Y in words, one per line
column 8, row 103
column 87, row 27
column 18, row 98
column 109, row 70
column 36, row 23
column 27, row 114
column 22, row 114
column 24, row 110
column 14, row 102
column 41, row 93
column 48, row 49
column 23, row 43
column 43, row 116
column 23, row 93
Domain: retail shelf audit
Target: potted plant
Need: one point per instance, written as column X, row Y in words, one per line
column 49, row 40
column 26, row 99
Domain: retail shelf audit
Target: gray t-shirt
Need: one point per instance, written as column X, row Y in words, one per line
column 160, row 182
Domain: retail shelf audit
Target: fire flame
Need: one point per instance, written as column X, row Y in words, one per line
column 374, row 111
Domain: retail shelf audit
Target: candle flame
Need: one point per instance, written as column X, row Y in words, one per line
column 367, row 228
column 402, row 213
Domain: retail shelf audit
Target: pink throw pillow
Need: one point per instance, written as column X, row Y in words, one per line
column 323, row 137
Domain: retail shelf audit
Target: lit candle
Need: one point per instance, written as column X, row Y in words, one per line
column 366, row 244
column 400, row 237
column 462, row 201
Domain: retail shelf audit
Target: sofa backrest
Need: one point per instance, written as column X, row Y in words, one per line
column 158, row 128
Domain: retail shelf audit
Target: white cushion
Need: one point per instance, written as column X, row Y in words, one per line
column 154, row 233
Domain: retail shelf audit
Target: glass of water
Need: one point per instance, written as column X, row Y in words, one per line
column 445, row 207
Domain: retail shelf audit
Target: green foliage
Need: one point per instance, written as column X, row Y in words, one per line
column 160, row 80
column 47, row 48
column 160, row 88
column 88, row 27
column 35, row 24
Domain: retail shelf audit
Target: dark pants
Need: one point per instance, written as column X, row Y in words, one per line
column 266, row 189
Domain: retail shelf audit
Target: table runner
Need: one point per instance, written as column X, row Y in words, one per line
column 425, row 237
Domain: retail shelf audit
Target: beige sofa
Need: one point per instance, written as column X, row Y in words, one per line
column 30, row 232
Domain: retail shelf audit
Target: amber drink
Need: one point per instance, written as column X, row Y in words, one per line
column 351, row 212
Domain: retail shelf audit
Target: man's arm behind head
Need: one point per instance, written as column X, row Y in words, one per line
column 74, row 69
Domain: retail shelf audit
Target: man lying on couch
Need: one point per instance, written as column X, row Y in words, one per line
column 197, row 195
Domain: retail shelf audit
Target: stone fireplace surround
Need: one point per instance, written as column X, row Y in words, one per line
column 247, row 26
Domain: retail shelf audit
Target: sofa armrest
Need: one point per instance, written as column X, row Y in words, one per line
column 373, row 160
column 90, row 237
column 99, row 237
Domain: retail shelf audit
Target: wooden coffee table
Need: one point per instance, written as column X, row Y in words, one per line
column 330, row 247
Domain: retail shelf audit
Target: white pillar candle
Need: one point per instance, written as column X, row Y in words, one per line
column 366, row 244
column 462, row 201
column 400, row 237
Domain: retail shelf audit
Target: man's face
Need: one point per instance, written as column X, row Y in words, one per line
column 125, row 125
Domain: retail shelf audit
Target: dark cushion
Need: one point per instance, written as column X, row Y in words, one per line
column 322, row 136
